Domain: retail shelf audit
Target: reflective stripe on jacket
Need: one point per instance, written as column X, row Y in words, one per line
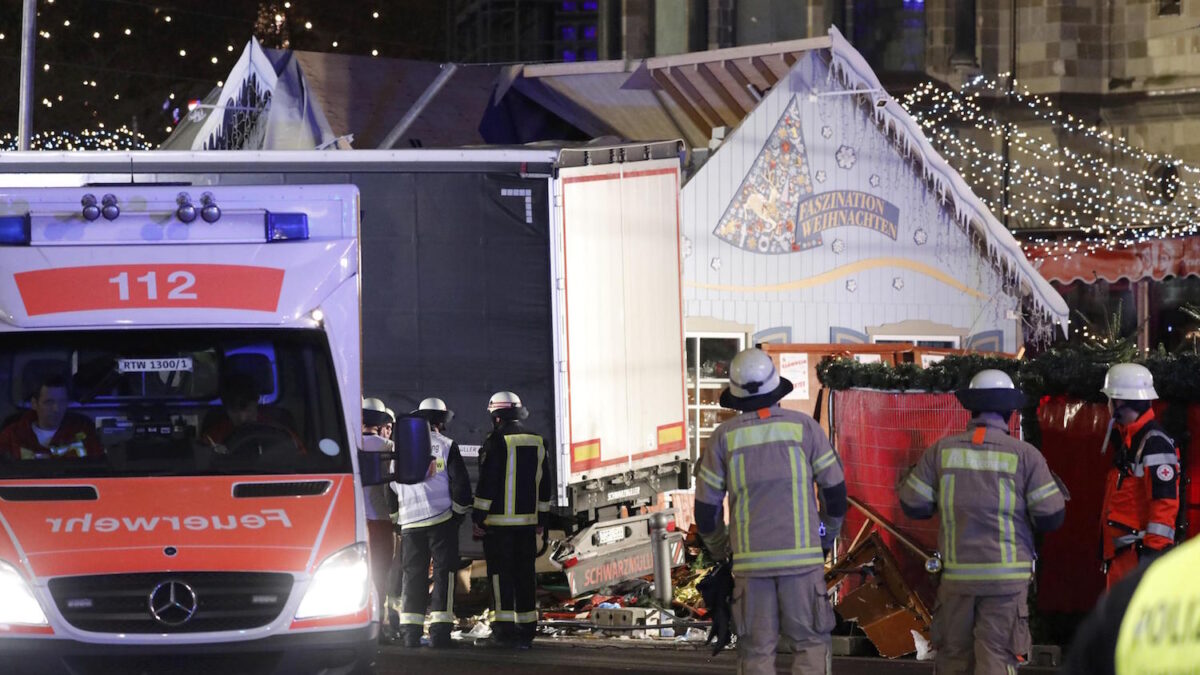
column 769, row 463
column 986, row 486
column 514, row 478
column 1141, row 496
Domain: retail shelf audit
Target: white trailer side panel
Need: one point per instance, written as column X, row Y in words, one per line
column 623, row 384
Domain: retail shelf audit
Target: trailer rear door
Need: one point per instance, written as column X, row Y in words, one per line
column 621, row 390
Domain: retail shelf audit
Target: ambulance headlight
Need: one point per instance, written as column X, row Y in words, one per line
column 341, row 585
column 19, row 605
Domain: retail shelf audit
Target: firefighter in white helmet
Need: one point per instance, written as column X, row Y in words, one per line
column 1141, row 491
column 512, row 505
column 771, row 462
column 381, row 540
column 430, row 513
column 991, row 491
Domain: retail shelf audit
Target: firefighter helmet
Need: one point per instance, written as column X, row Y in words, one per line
column 754, row 382
column 1129, row 382
column 991, row 391
column 434, row 410
column 507, row 406
column 375, row 413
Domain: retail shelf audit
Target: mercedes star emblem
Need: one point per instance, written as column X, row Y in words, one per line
column 172, row 603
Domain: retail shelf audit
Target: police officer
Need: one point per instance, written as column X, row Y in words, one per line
column 1147, row 623
column 381, row 540
column 769, row 460
column 512, row 504
column 1141, row 496
column 430, row 512
column 991, row 491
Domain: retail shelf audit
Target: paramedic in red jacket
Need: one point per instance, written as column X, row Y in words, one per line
column 48, row 429
column 1141, row 492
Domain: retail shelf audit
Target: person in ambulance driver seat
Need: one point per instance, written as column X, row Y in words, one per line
column 48, row 429
column 1141, row 490
column 770, row 460
column 241, row 420
column 430, row 513
column 991, row 491
column 381, row 540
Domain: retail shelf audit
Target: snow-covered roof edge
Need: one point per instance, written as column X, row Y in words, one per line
column 855, row 73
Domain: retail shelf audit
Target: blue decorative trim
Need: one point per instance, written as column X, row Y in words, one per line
column 987, row 341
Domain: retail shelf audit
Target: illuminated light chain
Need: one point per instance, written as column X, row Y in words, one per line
column 102, row 139
column 1087, row 193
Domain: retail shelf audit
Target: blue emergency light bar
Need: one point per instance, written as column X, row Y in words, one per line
column 15, row 230
column 287, row 226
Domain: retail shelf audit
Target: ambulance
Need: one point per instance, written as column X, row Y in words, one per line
column 197, row 350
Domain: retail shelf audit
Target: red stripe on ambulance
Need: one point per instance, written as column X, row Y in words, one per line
column 157, row 286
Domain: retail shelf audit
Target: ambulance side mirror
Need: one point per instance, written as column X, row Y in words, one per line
column 410, row 461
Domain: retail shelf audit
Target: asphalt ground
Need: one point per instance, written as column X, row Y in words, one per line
column 577, row 656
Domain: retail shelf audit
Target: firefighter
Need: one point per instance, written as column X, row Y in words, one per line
column 769, row 460
column 1146, row 623
column 381, row 540
column 1141, row 496
column 511, row 508
column 991, row 491
column 430, row 513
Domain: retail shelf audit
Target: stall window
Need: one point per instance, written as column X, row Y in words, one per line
column 708, row 357
column 942, row 341
column 1172, row 321
column 1100, row 307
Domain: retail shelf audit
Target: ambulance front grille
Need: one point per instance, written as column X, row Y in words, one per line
column 122, row 603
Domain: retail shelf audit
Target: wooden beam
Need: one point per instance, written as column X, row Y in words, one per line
column 727, row 97
column 743, row 82
column 765, row 72
column 680, row 100
column 698, row 99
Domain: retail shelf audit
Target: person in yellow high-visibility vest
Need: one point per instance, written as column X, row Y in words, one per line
column 1147, row 624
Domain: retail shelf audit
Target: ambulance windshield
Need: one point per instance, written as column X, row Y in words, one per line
column 169, row 402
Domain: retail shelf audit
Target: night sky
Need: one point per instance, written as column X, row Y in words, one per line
column 112, row 63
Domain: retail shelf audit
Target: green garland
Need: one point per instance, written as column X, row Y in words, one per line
column 1073, row 371
column 1076, row 371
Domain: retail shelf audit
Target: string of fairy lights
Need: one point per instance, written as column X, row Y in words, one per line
column 196, row 59
column 1064, row 174
column 120, row 139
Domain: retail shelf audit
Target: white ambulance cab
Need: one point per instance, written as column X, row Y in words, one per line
column 179, row 424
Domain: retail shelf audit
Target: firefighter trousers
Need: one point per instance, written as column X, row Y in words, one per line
column 511, row 553
column 794, row 606
column 381, row 546
column 419, row 545
column 979, row 634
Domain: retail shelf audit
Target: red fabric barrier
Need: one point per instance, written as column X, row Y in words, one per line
column 879, row 435
column 1190, row 491
column 1070, row 556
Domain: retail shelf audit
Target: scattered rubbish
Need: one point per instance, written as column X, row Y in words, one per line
column 924, row 651
column 481, row 629
column 884, row 606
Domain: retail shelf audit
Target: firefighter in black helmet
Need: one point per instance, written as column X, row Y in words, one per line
column 512, row 504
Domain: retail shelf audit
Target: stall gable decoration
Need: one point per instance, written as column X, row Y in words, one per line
column 774, row 210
